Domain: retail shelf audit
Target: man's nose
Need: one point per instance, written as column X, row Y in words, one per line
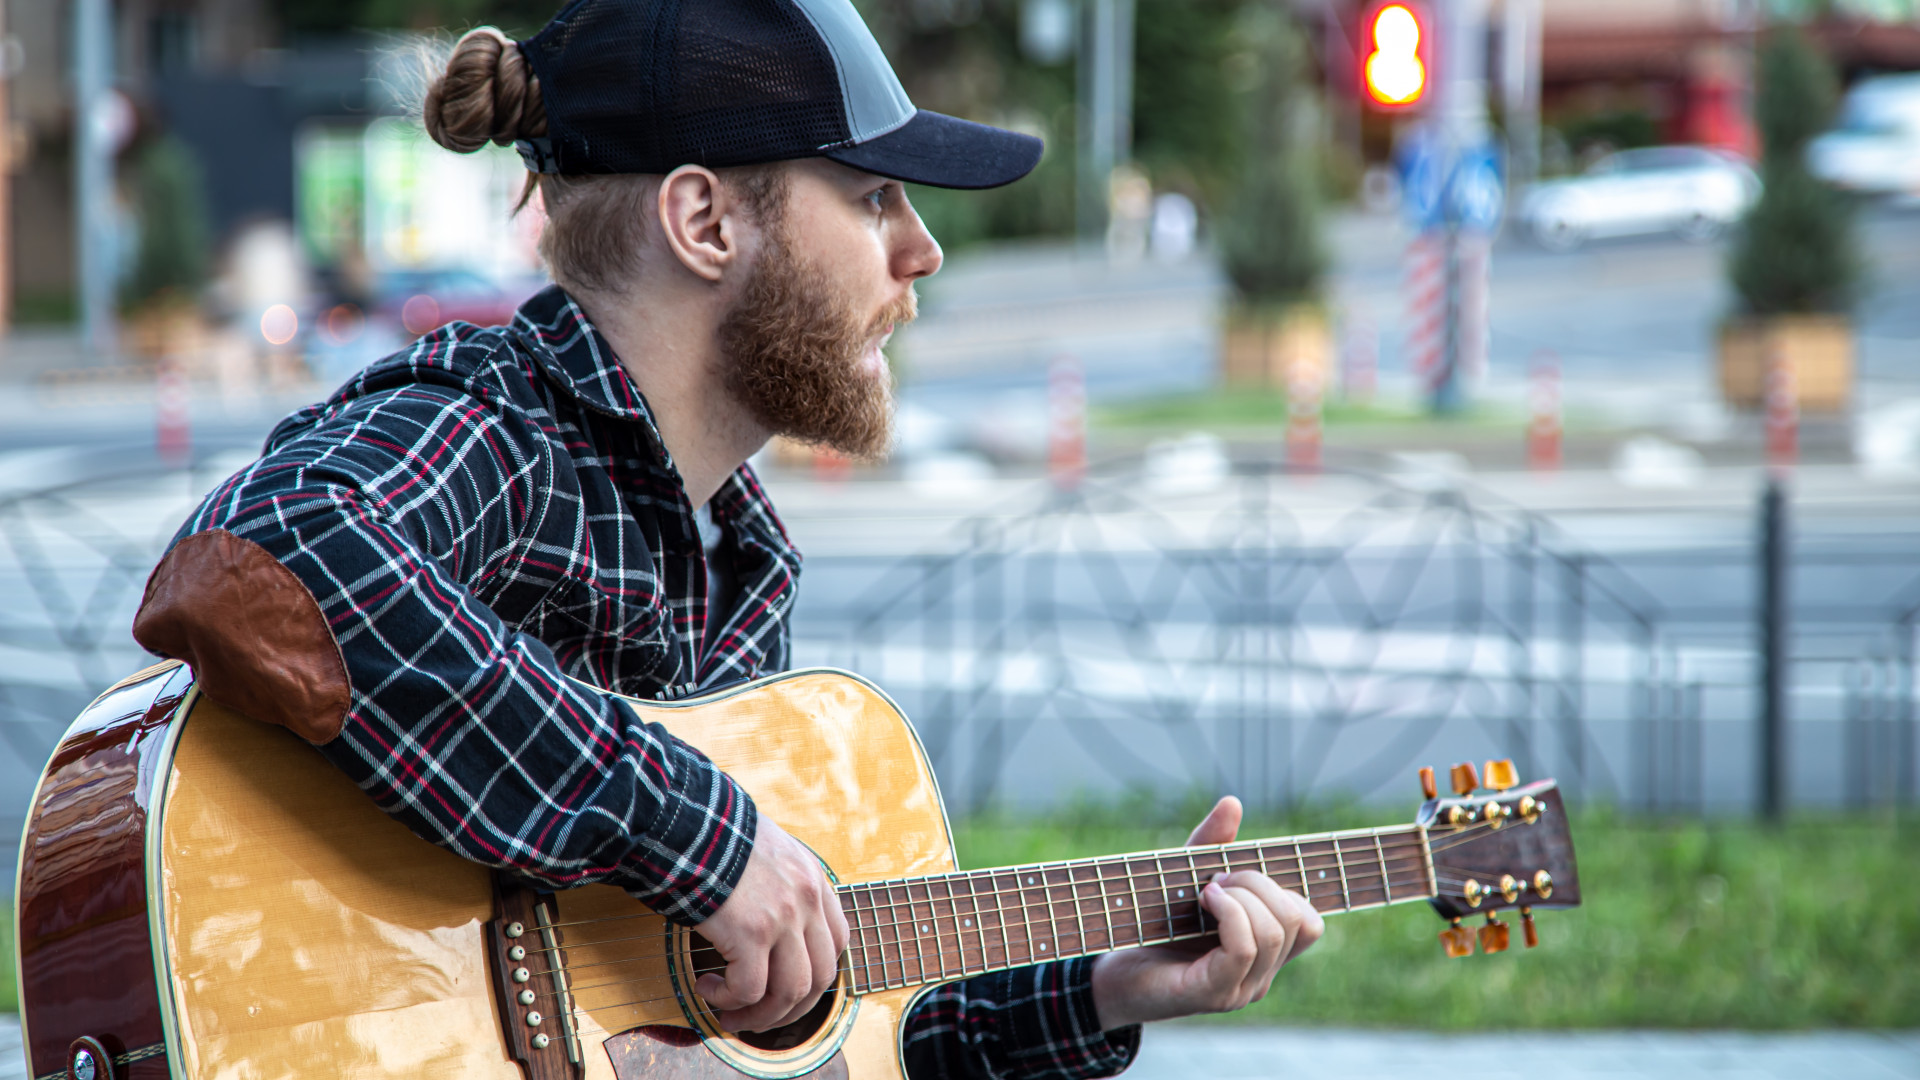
column 918, row 254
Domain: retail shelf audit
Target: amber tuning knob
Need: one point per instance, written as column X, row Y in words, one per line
column 1465, row 779
column 1457, row 940
column 1501, row 775
column 1527, row 931
column 1427, row 787
column 1494, row 935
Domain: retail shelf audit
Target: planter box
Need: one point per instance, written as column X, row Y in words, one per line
column 1266, row 349
column 1818, row 348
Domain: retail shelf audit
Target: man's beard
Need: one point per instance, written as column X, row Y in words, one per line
column 794, row 349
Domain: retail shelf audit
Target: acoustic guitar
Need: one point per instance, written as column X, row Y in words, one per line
column 202, row 895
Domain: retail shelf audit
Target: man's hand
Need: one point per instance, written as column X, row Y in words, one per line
column 781, row 934
column 1262, row 926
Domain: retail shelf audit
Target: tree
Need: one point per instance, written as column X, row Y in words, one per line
column 172, row 261
column 1271, row 236
column 1796, row 252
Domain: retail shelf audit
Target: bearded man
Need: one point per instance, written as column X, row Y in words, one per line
column 429, row 575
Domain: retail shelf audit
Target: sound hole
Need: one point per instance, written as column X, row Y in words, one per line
column 707, row 958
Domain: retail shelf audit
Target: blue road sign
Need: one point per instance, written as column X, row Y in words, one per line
column 1467, row 192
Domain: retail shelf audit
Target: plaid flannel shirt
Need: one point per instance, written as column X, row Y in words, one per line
column 492, row 529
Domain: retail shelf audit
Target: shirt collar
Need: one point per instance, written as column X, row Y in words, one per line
column 576, row 356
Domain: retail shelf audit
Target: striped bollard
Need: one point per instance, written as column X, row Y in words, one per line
column 1306, row 391
column 1066, row 422
column 1544, row 426
column 1783, row 412
column 172, row 420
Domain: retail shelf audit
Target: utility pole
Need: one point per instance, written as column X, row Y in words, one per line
column 1774, row 658
column 93, row 171
column 1461, row 115
column 1105, row 114
column 7, row 74
column 1520, row 93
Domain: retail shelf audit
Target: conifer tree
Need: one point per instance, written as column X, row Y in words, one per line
column 1795, row 253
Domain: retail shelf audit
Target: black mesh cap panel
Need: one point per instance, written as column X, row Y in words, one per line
column 644, row 86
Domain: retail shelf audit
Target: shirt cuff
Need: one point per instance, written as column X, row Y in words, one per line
column 689, row 862
column 1068, row 1026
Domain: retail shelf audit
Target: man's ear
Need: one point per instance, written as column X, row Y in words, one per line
column 700, row 219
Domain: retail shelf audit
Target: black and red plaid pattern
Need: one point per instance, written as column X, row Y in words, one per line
column 1035, row 1023
column 493, row 529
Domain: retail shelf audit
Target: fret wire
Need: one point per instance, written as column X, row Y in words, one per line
column 959, row 947
column 979, row 925
column 1053, row 921
column 1386, row 887
column 1106, row 909
column 919, row 948
column 1346, row 895
column 933, row 925
column 1133, row 893
column 1300, row 858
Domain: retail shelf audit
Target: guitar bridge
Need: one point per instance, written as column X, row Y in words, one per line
column 530, row 982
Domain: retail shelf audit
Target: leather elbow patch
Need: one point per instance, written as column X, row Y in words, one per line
column 250, row 630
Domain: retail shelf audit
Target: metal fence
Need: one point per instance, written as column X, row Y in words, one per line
column 1290, row 639
column 1283, row 638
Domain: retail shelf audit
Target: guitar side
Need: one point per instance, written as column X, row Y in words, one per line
column 300, row 931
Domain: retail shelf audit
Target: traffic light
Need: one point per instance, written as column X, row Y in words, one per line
column 1394, row 53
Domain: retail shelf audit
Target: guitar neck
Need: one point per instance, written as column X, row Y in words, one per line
column 914, row 931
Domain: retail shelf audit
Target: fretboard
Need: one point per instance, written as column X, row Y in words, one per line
column 914, row 931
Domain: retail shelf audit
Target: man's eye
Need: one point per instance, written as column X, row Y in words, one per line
column 877, row 197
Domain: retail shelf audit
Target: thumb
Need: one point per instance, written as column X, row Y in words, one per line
column 1220, row 826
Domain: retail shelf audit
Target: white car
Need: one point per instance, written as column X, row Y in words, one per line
column 1875, row 148
column 1691, row 190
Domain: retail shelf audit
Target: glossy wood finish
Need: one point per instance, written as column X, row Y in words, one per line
column 1482, row 854
column 309, row 934
column 85, row 958
column 670, row 1053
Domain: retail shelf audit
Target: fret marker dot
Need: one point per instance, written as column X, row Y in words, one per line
column 966, row 922
column 923, row 929
column 1182, row 893
column 1116, row 901
column 1029, row 881
column 1043, row 946
column 1323, row 873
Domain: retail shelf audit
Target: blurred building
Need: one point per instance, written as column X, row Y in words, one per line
column 297, row 135
column 1683, row 66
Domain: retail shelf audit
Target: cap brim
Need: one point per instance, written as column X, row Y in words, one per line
column 945, row 151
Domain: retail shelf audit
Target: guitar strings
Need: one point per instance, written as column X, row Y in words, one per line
column 1251, row 846
column 1163, row 912
column 1399, row 851
column 866, row 968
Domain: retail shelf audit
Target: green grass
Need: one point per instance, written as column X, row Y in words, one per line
column 1685, row 925
column 1228, row 411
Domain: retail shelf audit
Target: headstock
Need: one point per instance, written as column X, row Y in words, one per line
column 1506, row 848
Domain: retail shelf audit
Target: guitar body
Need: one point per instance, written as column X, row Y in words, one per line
column 206, row 896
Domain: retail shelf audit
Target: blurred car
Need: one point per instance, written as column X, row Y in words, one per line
column 421, row 300
column 1690, row 190
column 1875, row 147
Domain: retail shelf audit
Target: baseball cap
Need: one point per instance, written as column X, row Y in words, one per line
column 645, row 86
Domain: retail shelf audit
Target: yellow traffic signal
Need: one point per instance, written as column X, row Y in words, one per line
column 1394, row 63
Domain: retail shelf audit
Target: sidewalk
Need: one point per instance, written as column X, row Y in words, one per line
column 1176, row 1052
column 1181, row 1052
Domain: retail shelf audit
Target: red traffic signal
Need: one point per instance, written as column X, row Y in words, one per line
column 1394, row 67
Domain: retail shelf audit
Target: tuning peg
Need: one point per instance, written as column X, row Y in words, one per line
column 1501, row 774
column 1465, row 779
column 1527, row 931
column 1427, row 787
column 1493, row 936
column 1457, row 940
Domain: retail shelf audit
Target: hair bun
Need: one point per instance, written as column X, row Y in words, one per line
column 487, row 93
